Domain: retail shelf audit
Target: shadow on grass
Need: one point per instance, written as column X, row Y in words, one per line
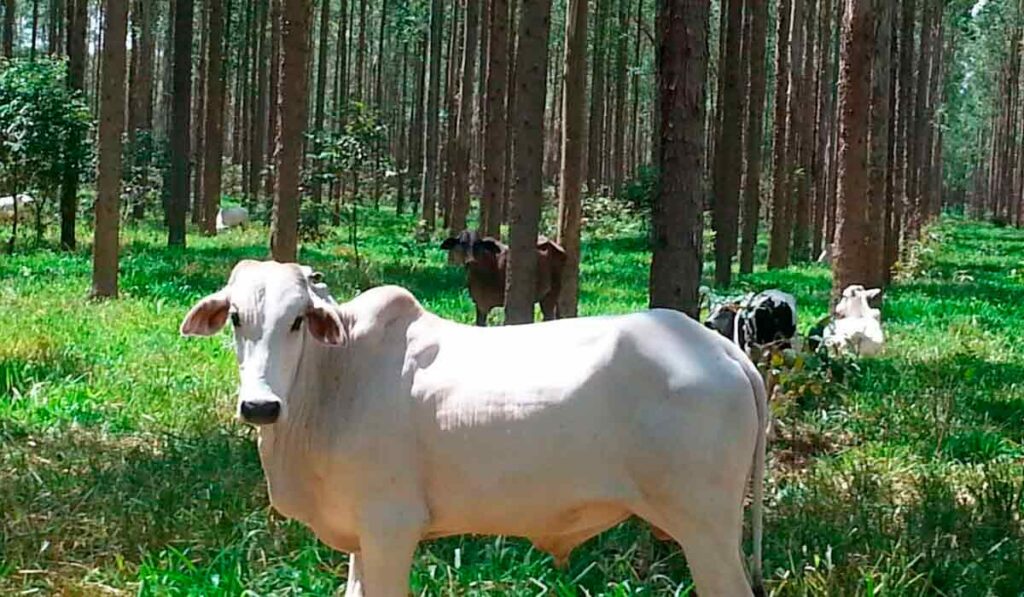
column 83, row 497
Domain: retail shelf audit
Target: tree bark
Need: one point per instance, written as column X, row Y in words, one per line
column 879, row 143
column 181, row 104
column 495, row 143
column 292, row 105
column 460, row 178
column 140, row 108
column 214, row 147
column 805, row 135
column 779, row 245
column 851, row 260
column 524, row 217
column 595, row 137
column 77, row 23
column 682, row 57
column 915, row 214
column 428, row 194
column 10, row 17
column 755, row 134
column 273, row 91
column 35, row 29
column 198, row 110
column 570, row 180
column 618, row 153
column 904, row 120
column 261, row 103
column 361, row 51
column 447, row 150
column 108, row 184
column 823, row 126
column 727, row 174
column 321, row 96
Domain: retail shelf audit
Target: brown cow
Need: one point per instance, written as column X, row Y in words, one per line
column 485, row 261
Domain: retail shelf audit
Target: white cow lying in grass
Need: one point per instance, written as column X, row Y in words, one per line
column 7, row 205
column 381, row 425
column 856, row 327
column 231, row 217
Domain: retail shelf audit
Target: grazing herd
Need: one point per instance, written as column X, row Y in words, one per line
column 381, row 424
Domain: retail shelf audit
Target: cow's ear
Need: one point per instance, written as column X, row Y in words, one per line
column 207, row 317
column 449, row 244
column 489, row 244
column 870, row 294
column 325, row 323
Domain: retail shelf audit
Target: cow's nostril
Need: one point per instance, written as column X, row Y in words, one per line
column 260, row 412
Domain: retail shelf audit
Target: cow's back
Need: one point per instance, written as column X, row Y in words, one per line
column 547, row 417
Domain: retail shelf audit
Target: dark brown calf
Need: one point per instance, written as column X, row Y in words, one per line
column 485, row 261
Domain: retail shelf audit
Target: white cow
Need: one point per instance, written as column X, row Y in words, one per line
column 857, row 326
column 231, row 217
column 7, row 205
column 381, row 425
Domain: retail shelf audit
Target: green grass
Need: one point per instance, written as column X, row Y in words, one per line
column 122, row 469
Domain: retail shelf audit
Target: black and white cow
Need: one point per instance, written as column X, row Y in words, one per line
column 765, row 317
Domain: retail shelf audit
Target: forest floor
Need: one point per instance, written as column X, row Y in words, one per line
column 122, row 469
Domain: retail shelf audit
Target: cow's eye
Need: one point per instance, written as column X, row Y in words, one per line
column 235, row 320
column 297, row 324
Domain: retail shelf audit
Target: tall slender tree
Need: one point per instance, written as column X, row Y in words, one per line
column 428, row 193
column 10, row 17
column 292, row 105
column 778, row 247
column 140, row 107
column 77, row 22
column 852, row 261
column 495, row 144
column 181, row 104
column 214, row 121
column 879, row 141
column 754, row 133
column 682, row 57
column 528, row 145
column 727, row 174
column 570, row 180
column 321, row 90
column 460, row 178
column 108, row 184
column 595, row 139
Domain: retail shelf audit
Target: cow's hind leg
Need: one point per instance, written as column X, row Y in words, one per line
column 711, row 540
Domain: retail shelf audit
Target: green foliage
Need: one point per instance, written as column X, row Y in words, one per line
column 44, row 127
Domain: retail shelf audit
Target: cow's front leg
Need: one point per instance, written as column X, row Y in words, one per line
column 481, row 317
column 354, row 587
column 384, row 561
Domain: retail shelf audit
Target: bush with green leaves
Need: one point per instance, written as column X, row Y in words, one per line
column 44, row 130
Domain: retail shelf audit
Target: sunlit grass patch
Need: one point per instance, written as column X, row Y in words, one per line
column 122, row 469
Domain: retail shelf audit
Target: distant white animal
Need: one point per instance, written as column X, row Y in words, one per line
column 7, row 205
column 857, row 327
column 232, row 217
column 381, row 425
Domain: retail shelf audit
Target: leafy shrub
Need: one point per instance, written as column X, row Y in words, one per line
column 44, row 130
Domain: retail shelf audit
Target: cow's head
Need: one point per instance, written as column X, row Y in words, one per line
column 470, row 249
column 855, row 302
column 722, row 319
column 272, row 307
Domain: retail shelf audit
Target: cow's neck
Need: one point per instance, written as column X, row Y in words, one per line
column 294, row 450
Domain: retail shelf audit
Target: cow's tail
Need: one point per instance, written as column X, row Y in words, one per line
column 757, row 474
